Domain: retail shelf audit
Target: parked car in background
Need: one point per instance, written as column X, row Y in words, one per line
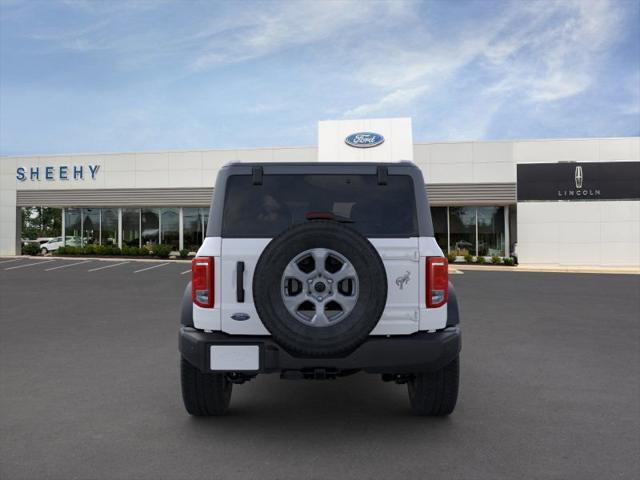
column 37, row 241
column 55, row 243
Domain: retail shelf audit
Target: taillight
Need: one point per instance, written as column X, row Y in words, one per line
column 437, row 282
column 202, row 283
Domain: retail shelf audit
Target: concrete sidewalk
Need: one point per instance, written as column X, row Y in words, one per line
column 455, row 268
column 546, row 268
column 114, row 258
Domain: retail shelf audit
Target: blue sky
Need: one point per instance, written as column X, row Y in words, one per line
column 104, row 76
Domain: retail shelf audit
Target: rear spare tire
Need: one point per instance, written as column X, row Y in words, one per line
column 320, row 288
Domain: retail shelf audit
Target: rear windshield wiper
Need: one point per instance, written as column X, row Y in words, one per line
column 327, row 216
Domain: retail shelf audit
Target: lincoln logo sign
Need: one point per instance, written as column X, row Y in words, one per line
column 578, row 177
column 569, row 181
column 61, row 172
column 364, row 140
column 578, row 191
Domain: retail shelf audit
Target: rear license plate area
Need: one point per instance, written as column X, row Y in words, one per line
column 233, row 358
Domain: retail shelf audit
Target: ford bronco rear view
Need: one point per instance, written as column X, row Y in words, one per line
column 316, row 271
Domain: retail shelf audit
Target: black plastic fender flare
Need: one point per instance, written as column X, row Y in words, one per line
column 186, row 309
column 453, row 312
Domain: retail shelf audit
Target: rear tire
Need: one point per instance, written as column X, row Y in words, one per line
column 435, row 394
column 204, row 394
column 44, row 251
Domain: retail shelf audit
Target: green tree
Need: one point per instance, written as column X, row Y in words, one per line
column 41, row 222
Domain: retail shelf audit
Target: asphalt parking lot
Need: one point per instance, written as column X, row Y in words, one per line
column 90, row 390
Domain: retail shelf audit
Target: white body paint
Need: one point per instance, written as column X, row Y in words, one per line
column 404, row 260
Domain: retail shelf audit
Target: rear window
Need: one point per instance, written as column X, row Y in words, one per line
column 285, row 200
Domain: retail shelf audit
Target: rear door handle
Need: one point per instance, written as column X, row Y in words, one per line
column 240, row 282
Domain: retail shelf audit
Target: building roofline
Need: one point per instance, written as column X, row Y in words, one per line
column 297, row 147
column 520, row 140
column 145, row 152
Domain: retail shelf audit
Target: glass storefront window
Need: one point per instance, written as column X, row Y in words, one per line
column 204, row 214
column 439, row 218
column 150, row 226
column 170, row 227
column 72, row 227
column 194, row 227
column 490, row 231
column 462, row 223
column 90, row 226
column 131, row 227
column 41, row 222
column 109, row 226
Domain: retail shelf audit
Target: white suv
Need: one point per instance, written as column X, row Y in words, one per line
column 55, row 243
column 320, row 270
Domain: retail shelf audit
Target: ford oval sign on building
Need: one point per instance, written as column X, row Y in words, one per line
column 364, row 139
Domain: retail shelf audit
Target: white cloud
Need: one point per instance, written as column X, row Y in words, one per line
column 458, row 75
column 288, row 25
column 396, row 99
column 631, row 105
column 553, row 56
column 538, row 51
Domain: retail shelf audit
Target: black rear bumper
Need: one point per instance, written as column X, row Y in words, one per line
column 419, row 352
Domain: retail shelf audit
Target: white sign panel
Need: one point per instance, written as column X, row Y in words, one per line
column 366, row 140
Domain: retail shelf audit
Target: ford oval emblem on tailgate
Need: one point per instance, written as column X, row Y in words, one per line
column 241, row 317
column 364, row 139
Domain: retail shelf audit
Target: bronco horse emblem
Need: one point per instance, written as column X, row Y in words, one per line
column 402, row 280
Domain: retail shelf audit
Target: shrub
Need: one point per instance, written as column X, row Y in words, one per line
column 89, row 250
column 495, row 259
column 468, row 258
column 31, row 249
column 112, row 250
column 481, row 260
column 451, row 257
column 508, row 261
column 144, row 251
column 60, row 251
column 68, row 250
column 184, row 253
column 134, row 251
column 162, row 251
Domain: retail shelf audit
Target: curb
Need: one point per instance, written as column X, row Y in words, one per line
column 98, row 259
column 549, row 269
column 453, row 268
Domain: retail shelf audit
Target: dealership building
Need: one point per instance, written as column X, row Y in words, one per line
column 564, row 202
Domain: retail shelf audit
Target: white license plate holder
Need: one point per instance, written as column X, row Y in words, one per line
column 234, row 358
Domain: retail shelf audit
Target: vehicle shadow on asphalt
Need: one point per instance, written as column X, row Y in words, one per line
column 289, row 405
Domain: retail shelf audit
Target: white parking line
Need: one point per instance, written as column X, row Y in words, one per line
column 149, row 268
column 65, row 266
column 30, row 264
column 185, row 272
column 9, row 261
column 108, row 266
